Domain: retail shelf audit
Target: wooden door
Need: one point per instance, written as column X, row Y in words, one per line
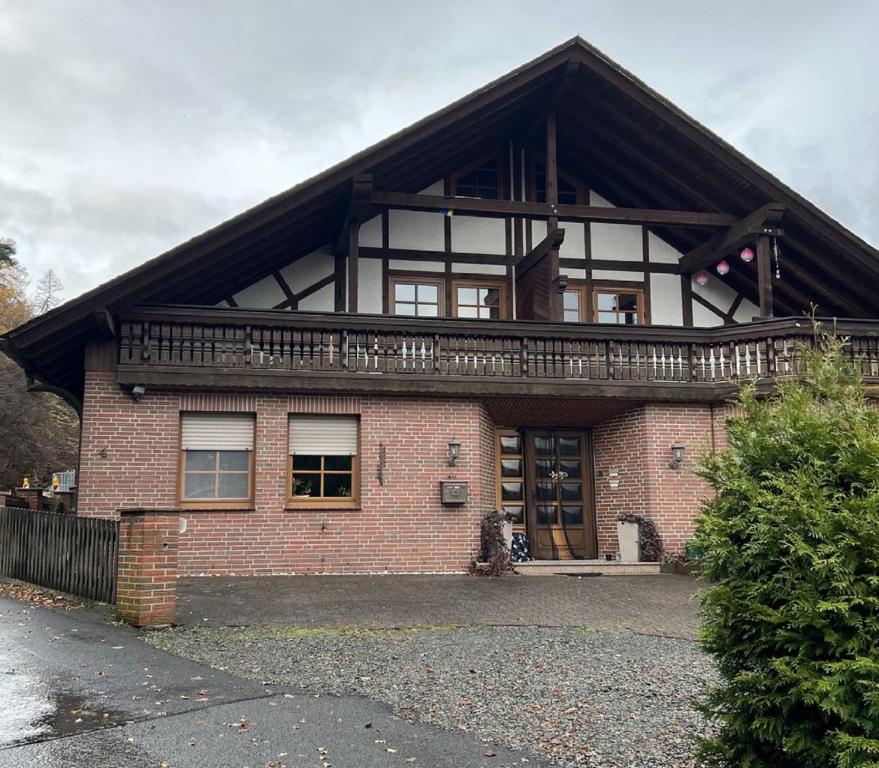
column 559, row 503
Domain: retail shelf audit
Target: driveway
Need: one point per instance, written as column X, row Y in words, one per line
column 653, row 605
column 79, row 690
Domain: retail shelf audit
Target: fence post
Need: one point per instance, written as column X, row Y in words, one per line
column 146, row 582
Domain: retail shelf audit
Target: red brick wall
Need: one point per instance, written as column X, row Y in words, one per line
column 638, row 444
column 130, row 459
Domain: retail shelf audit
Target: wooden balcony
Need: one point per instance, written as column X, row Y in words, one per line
column 238, row 349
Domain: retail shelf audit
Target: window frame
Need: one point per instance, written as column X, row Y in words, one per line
column 582, row 303
column 324, row 502
column 492, row 161
column 246, row 503
column 610, row 288
column 500, row 285
column 409, row 279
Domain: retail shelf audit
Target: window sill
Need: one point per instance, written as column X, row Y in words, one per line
column 321, row 506
column 241, row 506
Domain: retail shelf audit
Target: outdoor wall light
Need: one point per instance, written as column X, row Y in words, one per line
column 137, row 392
column 454, row 451
column 677, row 456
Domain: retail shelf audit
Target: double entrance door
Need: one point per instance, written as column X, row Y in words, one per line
column 559, row 499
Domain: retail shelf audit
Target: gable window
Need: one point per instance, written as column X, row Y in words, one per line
column 481, row 182
column 323, row 460
column 567, row 191
column 216, row 458
column 483, row 299
column 618, row 306
column 419, row 297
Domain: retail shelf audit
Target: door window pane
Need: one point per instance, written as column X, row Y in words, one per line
column 572, row 515
column 546, row 514
column 544, row 467
column 571, row 468
column 511, row 467
column 569, row 446
column 511, row 491
column 544, row 445
column 545, row 491
column 511, row 444
column 515, row 514
column 572, row 492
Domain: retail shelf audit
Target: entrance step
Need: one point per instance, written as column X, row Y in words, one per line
column 585, row 568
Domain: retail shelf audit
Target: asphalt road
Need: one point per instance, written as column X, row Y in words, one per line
column 79, row 690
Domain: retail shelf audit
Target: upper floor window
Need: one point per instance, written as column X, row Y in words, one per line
column 416, row 297
column 614, row 306
column 216, row 460
column 567, row 191
column 481, row 182
column 574, row 304
column 483, row 299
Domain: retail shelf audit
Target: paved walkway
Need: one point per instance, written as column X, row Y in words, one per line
column 656, row 605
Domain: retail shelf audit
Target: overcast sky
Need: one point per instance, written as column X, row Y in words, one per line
column 129, row 126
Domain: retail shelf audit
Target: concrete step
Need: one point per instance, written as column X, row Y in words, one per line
column 585, row 567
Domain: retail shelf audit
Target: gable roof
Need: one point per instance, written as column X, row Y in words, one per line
column 632, row 145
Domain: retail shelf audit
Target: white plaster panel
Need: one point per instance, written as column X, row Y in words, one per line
column 617, row 241
column 416, row 230
column 437, row 188
column 417, row 266
column 574, row 245
column 320, row 301
column 261, row 295
column 617, row 275
column 596, row 199
column 576, row 274
column 661, row 251
column 369, row 286
column 371, row 233
column 479, row 269
column 477, row 235
column 746, row 312
column 666, row 307
column 704, row 317
column 309, row 269
column 717, row 292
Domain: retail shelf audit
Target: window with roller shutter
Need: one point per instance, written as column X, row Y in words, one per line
column 323, row 460
column 216, row 458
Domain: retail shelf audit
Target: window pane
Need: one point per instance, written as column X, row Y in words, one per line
column 543, row 467
column 546, row 515
column 606, row 301
column 572, row 316
column 513, row 513
column 572, row 515
column 511, row 491
column 569, row 446
column 631, row 318
column 511, row 444
column 570, row 468
column 427, row 293
column 405, row 309
column 239, row 460
column 199, row 485
column 485, row 313
column 609, row 318
column 627, row 301
column 428, row 310
column 206, row 460
column 511, row 467
column 306, row 462
column 545, row 491
column 467, row 312
column 466, row 295
column 572, row 300
column 337, row 486
column 234, row 485
column 404, row 292
column 306, row 485
column 337, row 463
column 572, row 492
column 544, row 445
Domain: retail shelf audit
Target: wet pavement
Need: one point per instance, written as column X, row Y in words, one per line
column 79, row 690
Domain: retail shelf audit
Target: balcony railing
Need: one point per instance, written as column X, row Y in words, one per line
column 364, row 348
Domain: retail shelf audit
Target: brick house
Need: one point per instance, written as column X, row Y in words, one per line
column 544, row 293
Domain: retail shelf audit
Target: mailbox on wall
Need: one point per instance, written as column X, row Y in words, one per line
column 453, row 492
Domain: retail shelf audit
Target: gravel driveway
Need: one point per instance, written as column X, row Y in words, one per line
column 565, row 695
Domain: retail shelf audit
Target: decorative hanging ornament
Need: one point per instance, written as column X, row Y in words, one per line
column 747, row 254
column 776, row 251
column 702, row 277
column 722, row 268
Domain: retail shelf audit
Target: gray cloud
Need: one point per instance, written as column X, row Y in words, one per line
column 130, row 127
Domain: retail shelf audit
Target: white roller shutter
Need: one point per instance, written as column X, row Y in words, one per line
column 217, row 432
column 323, row 435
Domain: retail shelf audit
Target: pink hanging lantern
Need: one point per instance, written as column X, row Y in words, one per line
column 747, row 254
column 702, row 277
column 722, row 268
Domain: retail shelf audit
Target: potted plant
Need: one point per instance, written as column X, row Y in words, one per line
column 301, row 487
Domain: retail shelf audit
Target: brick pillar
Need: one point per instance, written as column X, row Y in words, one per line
column 34, row 497
column 146, row 583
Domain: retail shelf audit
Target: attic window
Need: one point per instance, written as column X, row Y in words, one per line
column 567, row 191
column 483, row 182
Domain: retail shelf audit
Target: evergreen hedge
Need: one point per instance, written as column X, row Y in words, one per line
column 789, row 546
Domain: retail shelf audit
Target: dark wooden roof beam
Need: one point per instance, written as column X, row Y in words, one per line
column 552, row 242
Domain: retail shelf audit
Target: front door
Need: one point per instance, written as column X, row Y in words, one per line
column 559, row 503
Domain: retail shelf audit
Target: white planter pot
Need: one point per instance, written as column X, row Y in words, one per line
column 508, row 534
column 630, row 549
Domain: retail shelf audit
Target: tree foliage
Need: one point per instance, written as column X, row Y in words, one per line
column 40, row 431
column 790, row 548
column 48, row 291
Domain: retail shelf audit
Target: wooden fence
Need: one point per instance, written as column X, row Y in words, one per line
column 64, row 552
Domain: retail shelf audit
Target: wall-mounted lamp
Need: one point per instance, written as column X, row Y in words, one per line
column 137, row 392
column 454, row 451
column 677, row 456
